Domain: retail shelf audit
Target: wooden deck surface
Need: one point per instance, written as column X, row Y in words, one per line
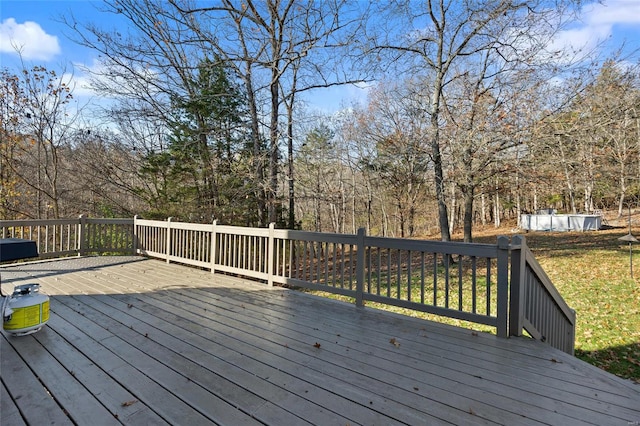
column 138, row 341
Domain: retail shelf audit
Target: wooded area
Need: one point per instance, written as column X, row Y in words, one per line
column 473, row 116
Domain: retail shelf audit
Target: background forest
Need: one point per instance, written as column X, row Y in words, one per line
column 473, row 115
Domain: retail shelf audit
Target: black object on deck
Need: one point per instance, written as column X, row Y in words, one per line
column 16, row 248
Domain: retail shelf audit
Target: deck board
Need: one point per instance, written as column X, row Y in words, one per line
column 9, row 414
column 115, row 397
column 145, row 342
column 32, row 399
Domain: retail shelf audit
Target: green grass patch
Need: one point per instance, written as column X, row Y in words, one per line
column 591, row 271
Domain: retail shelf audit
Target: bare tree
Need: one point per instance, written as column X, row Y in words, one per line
column 158, row 73
column 393, row 122
column 281, row 49
column 449, row 39
column 47, row 125
column 608, row 113
column 12, row 114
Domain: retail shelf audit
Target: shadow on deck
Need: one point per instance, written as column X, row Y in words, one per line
column 139, row 341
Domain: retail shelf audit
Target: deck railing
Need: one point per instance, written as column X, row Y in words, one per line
column 65, row 237
column 536, row 305
column 500, row 285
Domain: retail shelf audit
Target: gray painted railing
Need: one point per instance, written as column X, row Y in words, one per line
column 536, row 305
column 67, row 237
column 500, row 285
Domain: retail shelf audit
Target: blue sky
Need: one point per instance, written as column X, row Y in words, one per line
column 33, row 26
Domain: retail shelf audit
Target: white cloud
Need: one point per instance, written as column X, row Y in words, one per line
column 581, row 39
column 29, row 39
column 613, row 12
column 597, row 23
column 80, row 83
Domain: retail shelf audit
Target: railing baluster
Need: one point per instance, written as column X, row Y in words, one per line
column 474, row 283
column 460, row 260
column 446, row 258
column 409, row 275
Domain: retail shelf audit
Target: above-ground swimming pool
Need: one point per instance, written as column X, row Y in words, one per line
column 560, row 222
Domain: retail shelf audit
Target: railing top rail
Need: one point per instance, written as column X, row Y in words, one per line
column 149, row 222
column 110, row 221
column 314, row 236
column 470, row 249
column 37, row 222
column 190, row 226
column 242, row 230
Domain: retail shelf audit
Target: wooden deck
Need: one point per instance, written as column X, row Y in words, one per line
column 139, row 341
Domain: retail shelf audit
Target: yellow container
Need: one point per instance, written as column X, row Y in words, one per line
column 26, row 311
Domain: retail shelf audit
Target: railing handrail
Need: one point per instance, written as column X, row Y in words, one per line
column 38, row 222
column 349, row 264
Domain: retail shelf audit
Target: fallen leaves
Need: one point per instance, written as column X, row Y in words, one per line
column 394, row 342
column 128, row 403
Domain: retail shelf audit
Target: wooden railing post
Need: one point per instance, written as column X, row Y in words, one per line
column 83, row 235
column 503, row 286
column 168, row 248
column 516, row 299
column 270, row 257
column 134, row 244
column 360, row 247
column 214, row 245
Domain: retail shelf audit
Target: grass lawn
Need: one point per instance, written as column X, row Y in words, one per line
column 591, row 271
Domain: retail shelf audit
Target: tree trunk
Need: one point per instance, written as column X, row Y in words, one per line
column 468, row 194
column 290, row 178
column 436, row 155
column 258, row 163
column 273, row 147
column 496, row 209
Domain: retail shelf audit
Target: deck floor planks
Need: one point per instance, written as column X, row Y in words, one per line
column 323, row 370
column 32, row 399
column 353, row 365
column 475, row 339
column 470, row 378
column 327, row 399
column 67, row 390
column 597, row 406
column 466, row 339
column 438, row 383
column 530, row 412
column 322, row 416
column 196, row 403
column 9, row 413
column 171, row 409
column 121, row 403
column 179, row 354
column 297, row 372
column 270, row 333
column 261, row 363
column 473, row 343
